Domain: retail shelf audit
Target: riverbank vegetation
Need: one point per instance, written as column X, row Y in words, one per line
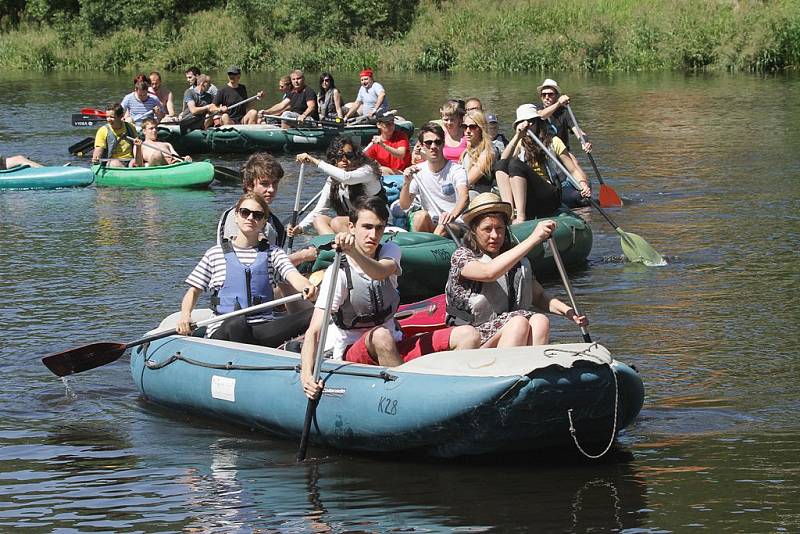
column 424, row 35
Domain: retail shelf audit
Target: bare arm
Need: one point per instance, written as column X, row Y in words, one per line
column 474, row 172
column 375, row 269
column 308, row 353
column 280, row 107
column 187, row 305
column 337, row 101
column 547, row 112
column 500, row 265
column 379, row 102
column 406, row 197
column 311, row 105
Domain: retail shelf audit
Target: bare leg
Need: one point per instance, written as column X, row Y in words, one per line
column 322, row 224
column 114, row 163
column 251, row 117
column 504, row 185
column 422, row 222
column 226, row 119
column 515, row 333
column 381, row 346
column 540, row 329
column 519, row 190
column 13, row 161
column 340, row 224
column 464, row 337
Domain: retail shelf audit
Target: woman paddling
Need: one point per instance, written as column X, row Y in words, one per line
column 242, row 272
column 491, row 284
column 350, row 176
column 535, row 188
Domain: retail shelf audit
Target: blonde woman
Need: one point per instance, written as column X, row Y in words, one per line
column 479, row 157
column 453, row 124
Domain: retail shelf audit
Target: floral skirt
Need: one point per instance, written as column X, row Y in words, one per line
column 490, row 328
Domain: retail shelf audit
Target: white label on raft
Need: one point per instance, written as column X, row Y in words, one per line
column 303, row 140
column 548, row 253
column 223, row 388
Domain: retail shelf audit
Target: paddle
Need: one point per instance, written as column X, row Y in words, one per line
column 635, row 248
column 94, row 355
column 311, row 407
column 192, row 119
column 94, row 111
column 564, row 278
column 154, row 147
column 79, row 120
column 305, row 208
column 229, row 174
column 608, row 197
column 296, row 211
column 84, row 145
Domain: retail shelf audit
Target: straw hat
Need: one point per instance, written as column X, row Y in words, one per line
column 486, row 203
column 526, row 112
column 549, row 83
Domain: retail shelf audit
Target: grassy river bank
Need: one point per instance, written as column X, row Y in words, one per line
column 402, row 35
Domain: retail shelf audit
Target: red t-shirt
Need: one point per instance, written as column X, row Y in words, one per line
column 380, row 154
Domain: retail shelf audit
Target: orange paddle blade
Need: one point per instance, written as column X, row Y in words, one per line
column 608, row 197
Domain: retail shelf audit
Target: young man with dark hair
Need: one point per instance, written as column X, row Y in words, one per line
column 365, row 301
column 111, row 141
column 231, row 95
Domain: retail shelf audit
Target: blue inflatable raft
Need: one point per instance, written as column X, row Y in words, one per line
column 444, row 404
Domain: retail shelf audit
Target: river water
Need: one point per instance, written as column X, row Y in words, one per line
column 708, row 167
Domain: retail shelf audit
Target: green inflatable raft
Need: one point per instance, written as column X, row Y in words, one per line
column 248, row 138
column 182, row 174
column 426, row 257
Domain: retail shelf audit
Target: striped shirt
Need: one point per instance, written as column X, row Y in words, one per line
column 139, row 110
column 209, row 274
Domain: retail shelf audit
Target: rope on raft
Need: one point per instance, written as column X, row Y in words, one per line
column 230, row 366
column 586, row 353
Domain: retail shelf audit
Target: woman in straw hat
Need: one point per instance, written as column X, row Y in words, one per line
column 491, row 284
column 535, row 187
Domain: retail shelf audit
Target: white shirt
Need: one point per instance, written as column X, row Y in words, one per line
column 441, row 188
column 362, row 175
column 341, row 339
column 369, row 97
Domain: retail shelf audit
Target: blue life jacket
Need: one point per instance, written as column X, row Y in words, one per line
column 243, row 286
column 112, row 139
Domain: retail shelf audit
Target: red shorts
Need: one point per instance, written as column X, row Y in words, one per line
column 409, row 347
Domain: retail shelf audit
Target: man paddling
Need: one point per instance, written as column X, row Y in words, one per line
column 554, row 110
column 365, row 300
column 371, row 99
column 199, row 105
column 111, row 140
column 233, row 93
column 192, row 74
column 153, row 152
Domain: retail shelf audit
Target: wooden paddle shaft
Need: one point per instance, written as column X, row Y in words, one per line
column 565, row 279
column 311, row 407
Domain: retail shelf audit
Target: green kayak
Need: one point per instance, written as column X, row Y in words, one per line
column 183, row 174
column 426, row 257
column 25, row 177
column 248, row 138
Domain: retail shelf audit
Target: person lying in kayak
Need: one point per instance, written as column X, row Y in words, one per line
column 491, row 284
column 241, row 273
column 147, row 153
column 262, row 174
column 440, row 184
column 14, row 161
column 350, row 177
column 111, row 141
column 365, row 300
column 535, row 187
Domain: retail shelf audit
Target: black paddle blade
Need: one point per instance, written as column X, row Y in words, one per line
column 83, row 358
column 85, row 145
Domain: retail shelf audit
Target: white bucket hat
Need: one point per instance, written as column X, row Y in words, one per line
column 549, row 83
column 526, row 112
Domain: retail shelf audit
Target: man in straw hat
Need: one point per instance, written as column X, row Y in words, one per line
column 371, row 99
column 554, row 109
column 491, row 284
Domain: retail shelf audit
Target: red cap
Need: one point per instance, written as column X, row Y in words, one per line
column 366, row 72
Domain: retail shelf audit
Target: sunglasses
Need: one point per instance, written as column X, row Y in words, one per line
column 345, row 154
column 245, row 213
column 472, row 127
column 548, row 93
column 431, row 142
